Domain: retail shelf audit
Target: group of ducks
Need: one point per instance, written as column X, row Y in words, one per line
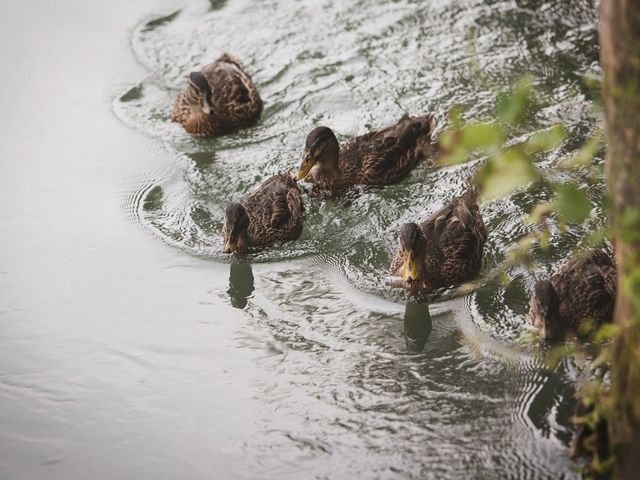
column 443, row 251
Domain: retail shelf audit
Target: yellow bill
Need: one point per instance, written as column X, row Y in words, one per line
column 410, row 269
column 307, row 164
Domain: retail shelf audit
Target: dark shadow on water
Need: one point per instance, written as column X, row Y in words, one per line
column 160, row 21
column 240, row 284
column 417, row 325
column 217, row 4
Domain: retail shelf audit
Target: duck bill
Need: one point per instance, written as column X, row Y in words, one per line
column 230, row 242
column 230, row 247
column 410, row 271
column 206, row 106
column 308, row 162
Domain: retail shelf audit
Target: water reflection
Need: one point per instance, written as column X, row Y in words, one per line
column 352, row 389
column 240, row 284
column 417, row 325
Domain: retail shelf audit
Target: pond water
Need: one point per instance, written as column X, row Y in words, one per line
column 131, row 347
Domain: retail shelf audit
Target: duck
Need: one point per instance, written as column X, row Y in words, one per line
column 272, row 213
column 443, row 251
column 579, row 295
column 380, row 157
column 219, row 99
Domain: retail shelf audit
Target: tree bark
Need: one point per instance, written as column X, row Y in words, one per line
column 620, row 59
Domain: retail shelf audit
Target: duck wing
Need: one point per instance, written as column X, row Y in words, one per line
column 586, row 285
column 455, row 240
column 232, row 87
column 275, row 210
column 386, row 155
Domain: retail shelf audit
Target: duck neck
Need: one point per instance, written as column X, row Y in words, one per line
column 330, row 160
column 329, row 174
column 554, row 327
column 425, row 276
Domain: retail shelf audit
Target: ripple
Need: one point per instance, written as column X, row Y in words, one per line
column 331, row 325
column 444, row 410
column 358, row 68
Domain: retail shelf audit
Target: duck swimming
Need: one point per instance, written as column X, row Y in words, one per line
column 273, row 212
column 584, row 289
column 219, row 99
column 380, row 157
column 444, row 250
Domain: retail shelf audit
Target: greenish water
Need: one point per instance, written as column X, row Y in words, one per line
column 133, row 348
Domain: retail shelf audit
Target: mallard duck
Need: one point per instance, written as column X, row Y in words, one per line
column 271, row 213
column 584, row 289
column 381, row 157
column 219, row 99
column 445, row 250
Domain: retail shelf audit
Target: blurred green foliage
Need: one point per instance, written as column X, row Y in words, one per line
column 508, row 159
column 509, row 164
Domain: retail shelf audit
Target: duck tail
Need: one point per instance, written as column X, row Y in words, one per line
column 229, row 58
column 417, row 130
column 424, row 123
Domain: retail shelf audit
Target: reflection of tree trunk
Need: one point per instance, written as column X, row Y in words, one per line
column 620, row 58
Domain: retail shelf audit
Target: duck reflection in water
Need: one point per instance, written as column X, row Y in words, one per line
column 417, row 325
column 240, row 284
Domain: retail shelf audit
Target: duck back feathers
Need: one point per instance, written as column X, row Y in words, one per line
column 381, row 157
column 385, row 156
column 235, row 101
column 586, row 286
column 275, row 211
column 455, row 236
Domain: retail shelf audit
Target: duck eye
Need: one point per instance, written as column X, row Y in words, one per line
column 318, row 148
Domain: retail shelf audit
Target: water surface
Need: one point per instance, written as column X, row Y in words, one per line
column 132, row 347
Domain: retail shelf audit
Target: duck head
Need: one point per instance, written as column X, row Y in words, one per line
column 412, row 246
column 236, row 225
column 200, row 85
column 545, row 311
column 321, row 147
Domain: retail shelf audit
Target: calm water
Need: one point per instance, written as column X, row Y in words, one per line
column 132, row 348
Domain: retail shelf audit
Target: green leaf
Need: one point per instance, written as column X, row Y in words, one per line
column 546, row 140
column 629, row 225
column 504, row 173
column 510, row 107
column 585, row 154
column 486, row 137
column 545, row 240
column 448, row 139
column 607, row 332
column 539, row 211
column 572, row 204
column 631, row 286
column 455, row 156
column 455, row 116
column 597, row 237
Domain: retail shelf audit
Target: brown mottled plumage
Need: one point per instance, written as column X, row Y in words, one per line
column 583, row 290
column 445, row 250
column 381, row 157
column 218, row 100
column 273, row 212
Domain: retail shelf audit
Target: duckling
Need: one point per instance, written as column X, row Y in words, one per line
column 273, row 212
column 582, row 290
column 445, row 250
column 218, row 100
column 380, row 157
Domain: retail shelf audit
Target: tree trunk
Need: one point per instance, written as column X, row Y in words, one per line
column 620, row 59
